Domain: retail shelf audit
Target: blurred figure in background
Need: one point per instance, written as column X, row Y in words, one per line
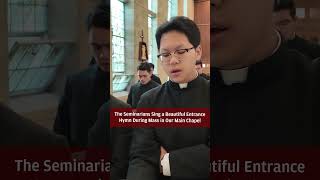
column 199, row 68
column 284, row 18
column 144, row 84
column 86, row 91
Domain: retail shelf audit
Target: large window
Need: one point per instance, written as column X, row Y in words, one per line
column 120, row 80
column 27, row 17
column 118, row 39
column 152, row 24
column 33, row 66
column 172, row 8
column 33, row 58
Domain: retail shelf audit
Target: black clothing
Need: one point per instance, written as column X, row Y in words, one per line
column 188, row 147
column 271, row 108
column 156, row 79
column 117, row 139
column 307, row 48
column 205, row 76
column 84, row 94
column 18, row 131
column 137, row 90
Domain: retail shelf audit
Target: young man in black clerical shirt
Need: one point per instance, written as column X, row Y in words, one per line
column 174, row 153
column 284, row 18
column 261, row 89
column 86, row 91
column 154, row 77
column 199, row 68
column 144, row 84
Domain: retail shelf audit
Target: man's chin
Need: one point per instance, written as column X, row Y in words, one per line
column 105, row 68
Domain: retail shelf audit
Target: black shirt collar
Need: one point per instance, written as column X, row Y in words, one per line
column 194, row 83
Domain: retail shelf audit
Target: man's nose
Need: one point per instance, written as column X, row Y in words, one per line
column 104, row 53
column 173, row 59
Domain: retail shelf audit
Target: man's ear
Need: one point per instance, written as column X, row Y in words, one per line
column 198, row 52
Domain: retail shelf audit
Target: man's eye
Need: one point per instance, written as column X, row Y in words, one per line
column 181, row 51
column 165, row 55
column 97, row 47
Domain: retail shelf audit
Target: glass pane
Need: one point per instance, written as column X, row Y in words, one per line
column 33, row 66
column 37, row 79
column 15, row 79
column 29, row 57
column 41, row 55
column 47, row 75
column 117, row 24
column 17, row 57
column 26, row 80
column 27, row 16
column 17, row 18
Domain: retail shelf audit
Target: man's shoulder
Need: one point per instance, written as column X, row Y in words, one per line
column 17, row 130
column 155, row 92
column 85, row 74
column 135, row 85
column 116, row 103
column 297, row 59
column 154, row 83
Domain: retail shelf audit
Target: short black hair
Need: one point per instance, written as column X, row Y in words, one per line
column 285, row 5
column 99, row 17
column 144, row 67
column 199, row 62
column 181, row 24
column 152, row 65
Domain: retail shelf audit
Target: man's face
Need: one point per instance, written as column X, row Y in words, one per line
column 199, row 68
column 99, row 41
column 179, row 69
column 284, row 23
column 144, row 77
column 237, row 28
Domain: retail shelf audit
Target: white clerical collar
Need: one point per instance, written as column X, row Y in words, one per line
column 183, row 85
column 234, row 76
column 240, row 75
column 279, row 42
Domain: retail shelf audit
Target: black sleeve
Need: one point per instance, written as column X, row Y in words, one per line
column 144, row 152
column 311, row 50
column 98, row 135
column 129, row 99
column 144, row 155
column 62, row 121
column 121, row 141
column 190, row 162
column 157, row 79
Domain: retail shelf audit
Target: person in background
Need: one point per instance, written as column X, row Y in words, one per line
column 284, row 18
column 261, row 90
column 85, row 92
column 118, row 140
column 199, row 68
column 174, row 153
column 154, row 77
column 144, row 84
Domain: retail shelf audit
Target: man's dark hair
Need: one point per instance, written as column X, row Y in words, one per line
column 199, row 62
column 285, row 5
column 152, row 65
column 183, row 25
column 99, row 17
column 144, row 67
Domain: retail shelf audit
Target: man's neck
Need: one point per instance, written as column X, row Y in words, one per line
column 266, row 48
